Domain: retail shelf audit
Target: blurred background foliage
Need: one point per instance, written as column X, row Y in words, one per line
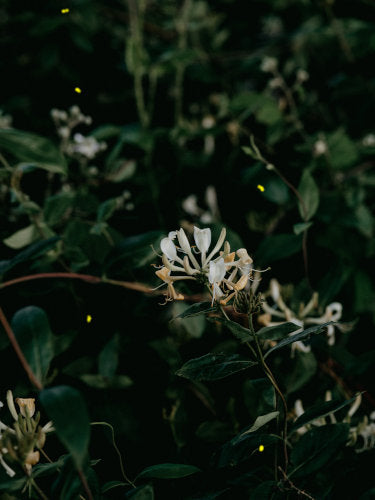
column 185, row 109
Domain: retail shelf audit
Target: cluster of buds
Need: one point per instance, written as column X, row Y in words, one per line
column 218, row 269
column 21, row 441
column 78, row 145
column 279, row 312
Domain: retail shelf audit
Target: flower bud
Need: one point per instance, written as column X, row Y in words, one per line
column 27, row 406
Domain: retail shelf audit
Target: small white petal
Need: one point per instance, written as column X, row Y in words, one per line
column 202, row 239
column 8, row 470
column 168, row 248
column 183, row 241
column 217, row 271
column 334, row 311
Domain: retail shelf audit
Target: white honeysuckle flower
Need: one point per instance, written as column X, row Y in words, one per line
column 320, row 147
column 27, row 406
column 269, row 64
column 10, row 403
column 168, row 248
column 215, row 277
column 362, row 433
column 281, row 311
column 218, row 245
column 224, row 275
column 246, row 262
column 275, row 290
column 217, row 271
column 202, row 239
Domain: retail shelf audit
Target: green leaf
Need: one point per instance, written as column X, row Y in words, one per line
column 168, row 471
column 364, row 221
column 57, row 207
column 239, row 332
column 301, row 227
column 343, row 151
column 195, row 309
column 46, row 469
column 192, row 325
column 22, row 237
column 33, row 149
column 145, row 492
column 260, row 422
column 302, row 368
column 107, row 209
column 258, row 396
column 108, row 357
column 213, row 367
column 67, row 410
column 277, row 332
column 240, row 448
column 278, row 246
column 12, row 484
column 313, row 330
column 269, row 112
column 33, row 333
column 121, row 170
column 309, row 192
column 32, row 252
column 316, row 448
column 276, row 190
column 319, row 411
column 134, row 251
column 112, row 484
column 100, row 382
column 264, row 491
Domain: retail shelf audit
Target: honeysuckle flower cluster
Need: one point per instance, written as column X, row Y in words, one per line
column 361, row 436
column 217, row 268
column 88, row 147
column 298, row 410
column 279, row 313
column 19, row 440
column 78, row 145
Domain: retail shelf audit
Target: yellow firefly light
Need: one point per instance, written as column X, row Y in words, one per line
column 260, row 187
column 64, row 11
column 78, row 90
column 261, row 448
column 88, row 318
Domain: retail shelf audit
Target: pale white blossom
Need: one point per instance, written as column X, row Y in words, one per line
column 278, row 313
column 320, row 147
column 269, row 64
column 369, row 140
column 86, row 146
column 217, row 266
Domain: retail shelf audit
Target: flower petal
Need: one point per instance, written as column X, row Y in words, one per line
column 217, row 271
column 202, row 239
column 168, row 248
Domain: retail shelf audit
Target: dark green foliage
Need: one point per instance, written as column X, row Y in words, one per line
column 253, row 116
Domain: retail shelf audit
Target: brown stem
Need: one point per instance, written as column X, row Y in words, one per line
column 18, row 351
column 85, row 484
column 294, row 487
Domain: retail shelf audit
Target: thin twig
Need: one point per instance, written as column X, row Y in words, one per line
column 85, row 484
column 117, row 451
column 294, row 487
